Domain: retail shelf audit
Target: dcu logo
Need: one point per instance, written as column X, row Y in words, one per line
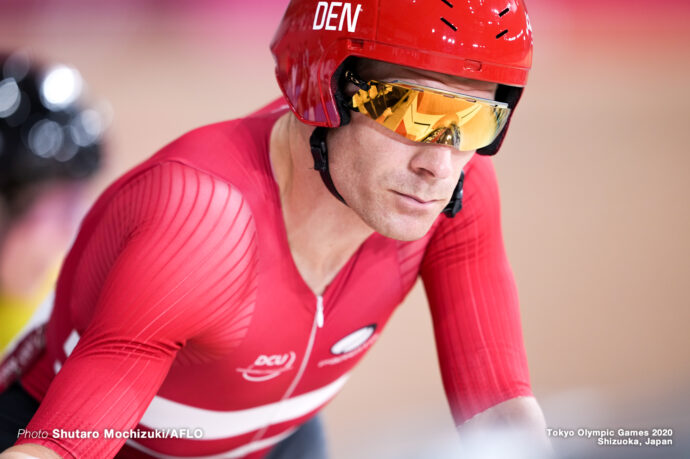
column 267, row 367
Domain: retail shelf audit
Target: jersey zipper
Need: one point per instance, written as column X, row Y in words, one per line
column 319, row 311
column 317, row 323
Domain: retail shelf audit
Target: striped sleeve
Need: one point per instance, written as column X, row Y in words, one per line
column 474, row 302
column 172, row 253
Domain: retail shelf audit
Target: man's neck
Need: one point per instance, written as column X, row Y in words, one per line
column 323, row 233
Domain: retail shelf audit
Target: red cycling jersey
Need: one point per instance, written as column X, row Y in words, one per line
column 180, row 315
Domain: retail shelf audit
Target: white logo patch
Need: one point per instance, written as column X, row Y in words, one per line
column 353, row 340
column 327, row 14
column 352, row 345
column 267, row 367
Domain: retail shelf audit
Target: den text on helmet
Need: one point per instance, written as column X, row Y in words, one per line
column 333, row 15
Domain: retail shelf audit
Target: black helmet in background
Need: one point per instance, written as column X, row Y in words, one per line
column 46, row 132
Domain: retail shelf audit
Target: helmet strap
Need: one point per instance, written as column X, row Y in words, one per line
column 319, row 151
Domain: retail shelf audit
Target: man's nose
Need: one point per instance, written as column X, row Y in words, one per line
column 433, row 160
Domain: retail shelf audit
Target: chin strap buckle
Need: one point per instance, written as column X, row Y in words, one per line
column 455, row 203
column 319, row 151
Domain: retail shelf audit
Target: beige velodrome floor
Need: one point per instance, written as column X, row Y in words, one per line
column 594, row 183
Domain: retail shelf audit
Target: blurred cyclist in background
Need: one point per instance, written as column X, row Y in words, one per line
column 50, row 144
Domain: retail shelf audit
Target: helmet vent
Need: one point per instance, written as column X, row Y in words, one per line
column 449, row 24
column 504, row 12
column 502, row 33
column 447, row 3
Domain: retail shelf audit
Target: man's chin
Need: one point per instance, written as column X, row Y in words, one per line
column 405, row 229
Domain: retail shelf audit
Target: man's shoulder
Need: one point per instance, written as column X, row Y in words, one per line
column 227, row 149
column 248, row 132
column 235, row 151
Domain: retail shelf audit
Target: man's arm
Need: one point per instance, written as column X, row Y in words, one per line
column 475, row 311
column 188, row 237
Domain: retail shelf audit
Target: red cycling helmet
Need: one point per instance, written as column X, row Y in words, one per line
column 488, row 40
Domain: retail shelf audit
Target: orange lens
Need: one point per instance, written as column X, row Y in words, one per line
column 432, row 115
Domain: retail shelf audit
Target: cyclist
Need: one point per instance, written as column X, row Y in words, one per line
column 50, row 145
column 219, row 294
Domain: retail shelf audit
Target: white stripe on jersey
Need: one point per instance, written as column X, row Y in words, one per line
column 164, row 414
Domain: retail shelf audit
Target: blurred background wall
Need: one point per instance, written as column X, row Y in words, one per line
column 593, row 175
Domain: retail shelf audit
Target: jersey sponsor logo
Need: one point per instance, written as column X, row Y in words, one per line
column 334, row 15
column 351, row 345
column 353, row 340
column 267, row 367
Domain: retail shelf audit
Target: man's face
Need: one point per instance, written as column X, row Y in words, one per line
column 397, row 186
